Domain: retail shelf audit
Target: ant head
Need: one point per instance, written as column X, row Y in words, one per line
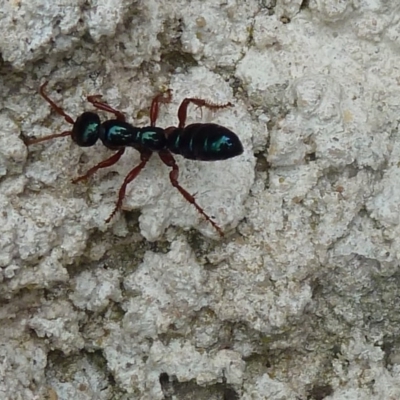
column 87, row 129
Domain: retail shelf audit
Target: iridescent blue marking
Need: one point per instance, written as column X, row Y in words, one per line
column 90, row 130
column 117, row 131
column 151, row 138
column 148, row 136
column 191, row 144
column 206, row 144
column 177, row 140
column 224, row 141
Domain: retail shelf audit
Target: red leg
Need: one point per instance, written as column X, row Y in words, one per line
column 160, row 98
column 54, row 106
column 95, row 100
column 144, row 157
column 182, row 111
column 168, row 159
column 104, row 164
column 58, row 110
column 29, row 141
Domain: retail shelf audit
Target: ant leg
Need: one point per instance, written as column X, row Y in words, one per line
column 144, row 157
column 54, row 106
column 168, row 159
column 28, row 141
column 103, row 164
column 164, row 98
column 182, row 111
column 95, row 100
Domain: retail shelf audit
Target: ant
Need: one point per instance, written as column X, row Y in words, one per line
column 203, row 142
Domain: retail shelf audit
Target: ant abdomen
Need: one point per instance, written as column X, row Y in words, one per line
column 204, row 142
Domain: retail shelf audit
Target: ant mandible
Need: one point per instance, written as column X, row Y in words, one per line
column 202, row 142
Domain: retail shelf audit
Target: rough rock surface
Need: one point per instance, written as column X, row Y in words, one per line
column 300, row 300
